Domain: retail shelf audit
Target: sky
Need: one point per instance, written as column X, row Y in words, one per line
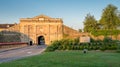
column 72, row 12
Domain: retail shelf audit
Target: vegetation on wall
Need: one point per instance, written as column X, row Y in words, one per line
column 12, row 36
column 105, row 32
column 8, row 36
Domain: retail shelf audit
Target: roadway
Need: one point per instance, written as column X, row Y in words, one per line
column 10, row 55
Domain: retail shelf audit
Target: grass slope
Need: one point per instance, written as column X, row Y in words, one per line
column 68, row 59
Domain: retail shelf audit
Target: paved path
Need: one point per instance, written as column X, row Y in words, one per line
column 20, row 53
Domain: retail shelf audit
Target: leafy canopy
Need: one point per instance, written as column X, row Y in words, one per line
column 90, row 23
column 109, row 19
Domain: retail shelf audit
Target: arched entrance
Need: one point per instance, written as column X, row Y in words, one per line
column 41, row 40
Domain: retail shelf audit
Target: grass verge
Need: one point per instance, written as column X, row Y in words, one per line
column 68, row 59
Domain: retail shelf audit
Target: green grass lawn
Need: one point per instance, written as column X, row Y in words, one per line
column 68, row 59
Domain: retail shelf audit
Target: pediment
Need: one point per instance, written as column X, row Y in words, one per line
column 42, row 17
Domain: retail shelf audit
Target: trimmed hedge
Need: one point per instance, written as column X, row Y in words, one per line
column 118, row 48
column 69, row 44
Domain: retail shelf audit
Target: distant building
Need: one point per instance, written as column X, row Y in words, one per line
column 5, row 26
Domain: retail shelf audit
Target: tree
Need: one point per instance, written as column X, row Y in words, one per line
column 119, row 16
column 90, row 23
column 79, row 30
column 109, row 19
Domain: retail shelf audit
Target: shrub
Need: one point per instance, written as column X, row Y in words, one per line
column 102, row 47
column 118, row 47
column 60, row 47
column 107, row 39
column 50, row 48
column 54, row 46
column 73, row 44
column 92, row 40
column 76, row 41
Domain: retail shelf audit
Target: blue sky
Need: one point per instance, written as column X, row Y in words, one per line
column 72, row 12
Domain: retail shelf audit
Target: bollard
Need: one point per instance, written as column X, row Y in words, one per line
column 84, row 51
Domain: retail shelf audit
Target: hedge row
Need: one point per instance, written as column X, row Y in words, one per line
column 68, row 44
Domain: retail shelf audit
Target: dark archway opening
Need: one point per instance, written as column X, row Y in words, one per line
column 31, row 43
column 41, row 40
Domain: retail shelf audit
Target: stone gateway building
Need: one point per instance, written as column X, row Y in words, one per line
column 44, row 28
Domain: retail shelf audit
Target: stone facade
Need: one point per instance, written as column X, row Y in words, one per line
column 47, row 27
column 43, row 26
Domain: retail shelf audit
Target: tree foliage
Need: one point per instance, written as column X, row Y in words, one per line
column 79, row 30
column 109, row 23
column 90, row 23
column 109, row 19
